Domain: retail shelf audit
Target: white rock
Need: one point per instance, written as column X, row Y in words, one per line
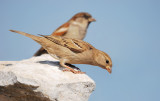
column 45, row 73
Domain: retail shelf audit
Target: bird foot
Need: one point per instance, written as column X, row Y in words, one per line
column 73, row 71
column 66, row 70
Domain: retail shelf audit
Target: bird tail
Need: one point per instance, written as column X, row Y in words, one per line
column 36, row 38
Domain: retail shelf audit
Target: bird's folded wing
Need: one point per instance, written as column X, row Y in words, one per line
column 76, row 46
column 62, row 30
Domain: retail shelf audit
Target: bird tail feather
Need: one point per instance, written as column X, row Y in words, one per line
column 36, row 38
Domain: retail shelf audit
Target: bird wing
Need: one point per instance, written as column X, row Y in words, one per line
column 62, row 30
column 76, row 46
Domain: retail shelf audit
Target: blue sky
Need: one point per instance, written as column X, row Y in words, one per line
column 128, row 30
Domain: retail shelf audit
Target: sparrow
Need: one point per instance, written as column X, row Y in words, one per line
column 75, row 28
column 72, row 51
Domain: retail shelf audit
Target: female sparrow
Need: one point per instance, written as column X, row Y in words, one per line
column 72, row 51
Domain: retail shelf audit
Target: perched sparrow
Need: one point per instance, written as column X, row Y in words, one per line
column 72, row 51
column 75, row 28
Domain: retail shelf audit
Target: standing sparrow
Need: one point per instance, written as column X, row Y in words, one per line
column 72, row 51
column 75, row 28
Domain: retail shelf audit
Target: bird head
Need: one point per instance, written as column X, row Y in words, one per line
column 103, row 60
column 83, row 17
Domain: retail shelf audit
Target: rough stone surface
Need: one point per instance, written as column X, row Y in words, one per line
column 42, row 79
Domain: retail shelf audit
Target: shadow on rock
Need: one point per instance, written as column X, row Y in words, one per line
column 56, row 63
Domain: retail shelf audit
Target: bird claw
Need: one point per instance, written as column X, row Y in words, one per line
column 78, row 72
column 66, row 70
column 75, row 72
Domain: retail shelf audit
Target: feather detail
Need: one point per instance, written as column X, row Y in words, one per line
column 76, row 46
column 62, row 30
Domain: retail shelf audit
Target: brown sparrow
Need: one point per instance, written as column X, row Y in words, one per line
column 75, row 28
column 72, row 51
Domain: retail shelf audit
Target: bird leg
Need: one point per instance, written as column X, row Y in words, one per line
column 72, row 66
column 70, row 69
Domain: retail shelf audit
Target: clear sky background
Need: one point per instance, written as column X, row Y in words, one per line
column 128, row 30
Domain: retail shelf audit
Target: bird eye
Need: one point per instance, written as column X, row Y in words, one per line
column 107, row 61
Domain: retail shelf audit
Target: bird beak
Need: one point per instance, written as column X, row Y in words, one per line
column 91, row 19
column 109, row 69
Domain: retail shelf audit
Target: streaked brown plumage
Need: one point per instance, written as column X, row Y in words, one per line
column 75, row 28
column 72, row 51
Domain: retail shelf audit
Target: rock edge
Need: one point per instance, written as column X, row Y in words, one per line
column 41, row 79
